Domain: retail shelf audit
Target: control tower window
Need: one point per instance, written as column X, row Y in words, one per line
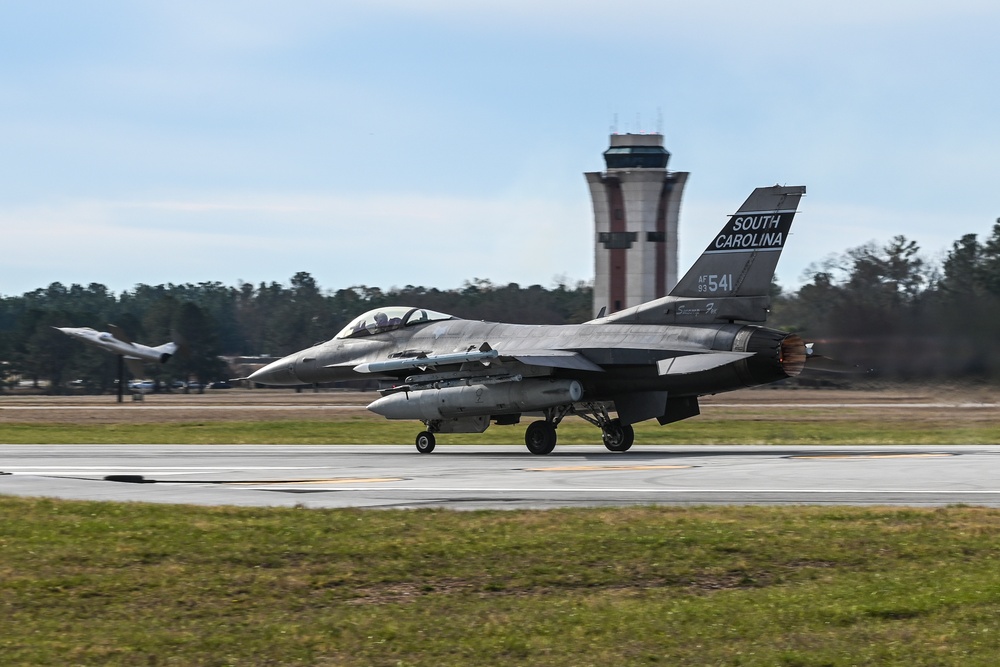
column 636, row 157
column 617, row 240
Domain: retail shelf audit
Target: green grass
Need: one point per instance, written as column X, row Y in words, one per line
column 133, row 584
column 788, row 430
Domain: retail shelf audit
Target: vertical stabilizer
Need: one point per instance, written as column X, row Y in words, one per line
column 732, row 279
column 166, row 351
column 740, row 260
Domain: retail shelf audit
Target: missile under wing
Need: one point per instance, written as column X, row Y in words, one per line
column 652, row 361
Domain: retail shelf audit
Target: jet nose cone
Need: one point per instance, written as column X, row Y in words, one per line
column 280, row 373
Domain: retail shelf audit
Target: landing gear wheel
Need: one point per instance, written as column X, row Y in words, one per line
column 425, row 442
column 618, row 437
column 540, row 437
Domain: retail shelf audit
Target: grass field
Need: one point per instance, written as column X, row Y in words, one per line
column 933, row 415
column 123, row 584
column 801, row 428
column 135, row 584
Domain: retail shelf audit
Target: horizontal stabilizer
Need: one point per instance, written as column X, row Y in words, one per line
column 694, row 363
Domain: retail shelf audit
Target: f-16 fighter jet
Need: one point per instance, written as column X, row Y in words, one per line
column 115, row 340
column 650, row 361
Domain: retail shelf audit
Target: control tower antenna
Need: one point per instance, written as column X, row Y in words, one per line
column 659, row 120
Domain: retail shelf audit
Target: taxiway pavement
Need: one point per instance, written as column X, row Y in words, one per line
column 490, row 477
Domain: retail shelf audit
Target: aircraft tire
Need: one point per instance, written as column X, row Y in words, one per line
column 540, row 437
column 425, row 442
column 618, row 437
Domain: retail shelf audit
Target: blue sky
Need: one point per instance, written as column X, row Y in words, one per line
column 389, row 143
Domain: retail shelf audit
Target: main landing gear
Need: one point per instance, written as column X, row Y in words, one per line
column 617, row 436
column 425, row 442
column 540, row 436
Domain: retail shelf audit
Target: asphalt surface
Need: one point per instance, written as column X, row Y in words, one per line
column 506, row 477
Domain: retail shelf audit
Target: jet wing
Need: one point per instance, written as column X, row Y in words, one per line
column 119, row 333
column 557, row 359
column 681, row 363
column 678, row 365
column 685, row 362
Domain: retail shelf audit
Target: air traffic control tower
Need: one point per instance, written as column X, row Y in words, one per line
column 636, row 205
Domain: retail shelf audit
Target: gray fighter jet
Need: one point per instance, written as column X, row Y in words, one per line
column 118, row 342
column 652, row 361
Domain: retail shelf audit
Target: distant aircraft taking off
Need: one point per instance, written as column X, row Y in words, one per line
column 651, row 361
column 118, row 342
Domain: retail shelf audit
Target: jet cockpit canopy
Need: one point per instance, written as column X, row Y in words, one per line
column 381, row 320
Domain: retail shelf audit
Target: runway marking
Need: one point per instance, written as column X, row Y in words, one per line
column 755, row 406
column 160, row 468
column 300, row 482
column 127, row 406
column 61, row 472
column 593, row 468
column 927, row 455
column 610, row 491
column 139, row 479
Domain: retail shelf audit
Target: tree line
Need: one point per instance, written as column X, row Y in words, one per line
column 886, row 307
column 878, row 306
column 215, row 321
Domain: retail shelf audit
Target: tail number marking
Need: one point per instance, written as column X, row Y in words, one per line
column 715, row 282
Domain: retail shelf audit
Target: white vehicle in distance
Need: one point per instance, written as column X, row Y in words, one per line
column 142, row 386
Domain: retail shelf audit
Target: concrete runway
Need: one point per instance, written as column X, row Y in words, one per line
column 480, row 477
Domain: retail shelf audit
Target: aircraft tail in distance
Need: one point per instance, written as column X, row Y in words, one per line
column 166, row 351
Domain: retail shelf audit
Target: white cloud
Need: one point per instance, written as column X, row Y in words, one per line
column 375, row 240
